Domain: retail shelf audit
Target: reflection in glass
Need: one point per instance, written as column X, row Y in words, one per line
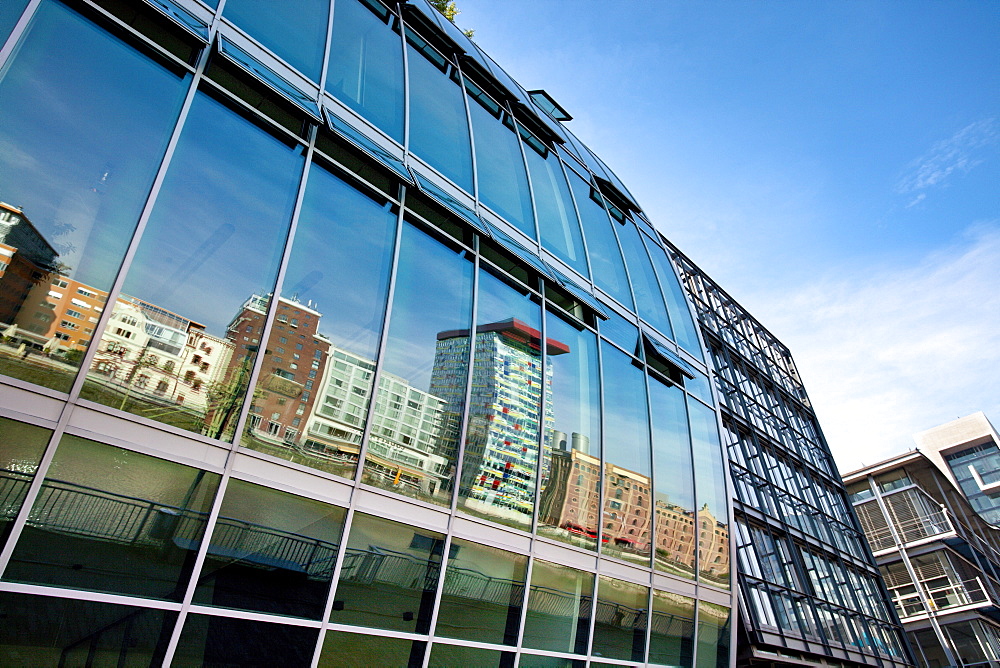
column 10, row 13
column 84, row 122
column 46, row 631
column 559, row 601
column 483, row 594
column 312, row 395
column 182, row 339
column 421, row 395
column 568, row 508
column 674, row 533
column 21, row 448
column 710, row 481
column 713, row 635
column 500, row 465
column 538, row 661
column 620, row 620
column 439, row 129
column 295, row 30
column 127, row 524
column 602, row 246
column 270, row 552
column 228, row 641
column 684, row 331
column 645, row 287
column 355, row 650
column 671, row 636
column 446, row 656
column 365, row 70
column 557, row 222
column 627, row 497
column 622, row 332
column 389, row 576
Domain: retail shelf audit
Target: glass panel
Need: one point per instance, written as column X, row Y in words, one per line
column 21, row 448
column 114, row 520
column 277, row 82
column 645, row 287
column 501, row 451
column 710, row 481
column 627, row 497
column 227, row 641
column 365, row 70
column 568, row 508
column 557, row 221
column 684, row 330
column 84, row 122
column 10, row 13
column 673, row 477
column 418, row 410
column 602, row 246
column 713, row 635
column 45, row 631
column 389, row 576
column 699, row 386
column 671, row 637
column 503, row 182
column 312, row 395
column 184, row 336
column 354, row 650
column 444, row 656
column 483, row 594
column 295, row 30
column 621, row 331
column 558, row 617
column 439, row 129
column 536, row 661
column 271, row 552
column 391, row 159
column 620, row 620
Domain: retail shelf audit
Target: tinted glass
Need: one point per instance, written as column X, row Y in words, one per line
column 558, row 617
column 602, row 246
column 443, row 656
column 354, row 650
column 271, row 552
column 681, row 321
column 182, row 340
column 127, row 523
column 499, row 470
column 418, row 411
column 536, row 661
column 621, row 619
column 45, row 631
column 21, row 448
column 628, row 493
column 226, row 641
column 557, row 221
column 645, row 287
column 389, row 576
column 313, row 391
column 439, row 129
column 622, row 332
column 10, row 12
column 671, row 636
column 674, row 533
column 84, row 122
column 569, row 505
column 365, row 69
column 710, row 481
column 483, row 594
column 295, row 30
column 713, row 635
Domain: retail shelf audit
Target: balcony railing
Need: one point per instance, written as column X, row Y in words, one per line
column 951, row 595
column 923, row 526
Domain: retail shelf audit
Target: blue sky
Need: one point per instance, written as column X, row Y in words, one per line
column 835, row 166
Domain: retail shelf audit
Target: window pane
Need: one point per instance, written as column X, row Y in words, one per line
column 713, row 635
column 365, row 70
column 671, row 638
column 295, row 30
column 444, row 656
column 557, row 221
column 271, row 552
column 84, row 122
column 627, row 502
column 354, row 650
column 46, row 631
column 313, row 391
column 21, row 448
column 210, row 249
column 558, row 617
column 674, row 483
column 483, row 594
column 389, row 576
column 501, row 452
column 645, row 287
column 127, row 524
column 568, row 508
column 418, row 410
column 680, row 316
column 439, row 129
column 620, row 622
column 602, row 246
column 710, row 481
column 226, row 641
column 10, row 13
column 536, row 661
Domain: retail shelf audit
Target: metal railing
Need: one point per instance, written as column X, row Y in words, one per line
column 951, row 595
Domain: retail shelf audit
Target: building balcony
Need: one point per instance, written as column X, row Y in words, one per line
column 948, row 596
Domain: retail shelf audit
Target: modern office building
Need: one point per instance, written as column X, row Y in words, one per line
column 928, row 520
column 301, row 213
column 810, row 593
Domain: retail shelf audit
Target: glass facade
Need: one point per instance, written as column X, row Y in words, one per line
column 320, row 344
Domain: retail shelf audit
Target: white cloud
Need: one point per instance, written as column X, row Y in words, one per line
column 955, row 154
column 887, row 353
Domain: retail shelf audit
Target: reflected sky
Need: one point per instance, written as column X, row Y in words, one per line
column 605, row 256
column 649, row 300
column 293, row 29
column 557, row 221
column 671, row 446
column 575, row 402
column 626, row 421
